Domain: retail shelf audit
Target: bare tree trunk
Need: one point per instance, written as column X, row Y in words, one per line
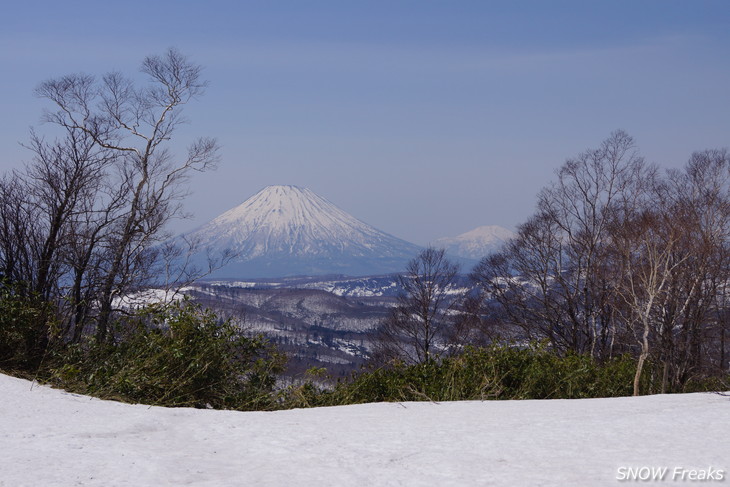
column 642, row 358
column 107, row 289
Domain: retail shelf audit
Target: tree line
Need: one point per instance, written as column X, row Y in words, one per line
column 618, row 258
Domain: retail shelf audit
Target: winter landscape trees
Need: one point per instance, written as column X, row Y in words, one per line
column 132, row 126
column 81, row 226
column 620, row 263
column 621, row 259
column 419, row 325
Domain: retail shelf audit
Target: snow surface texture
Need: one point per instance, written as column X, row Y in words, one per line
column 476, row 243
column 287, row 230
column 52, row 438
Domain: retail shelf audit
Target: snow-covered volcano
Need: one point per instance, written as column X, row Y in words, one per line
column 287, row 230
column 475, row 243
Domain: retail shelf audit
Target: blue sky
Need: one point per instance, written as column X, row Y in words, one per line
column 423, row 118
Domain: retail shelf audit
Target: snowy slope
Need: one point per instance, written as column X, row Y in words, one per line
column 52, row 438
column 475, row 243
column 287, row 230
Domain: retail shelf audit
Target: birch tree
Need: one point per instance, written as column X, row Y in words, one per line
column 552, row 280
column 135, row 124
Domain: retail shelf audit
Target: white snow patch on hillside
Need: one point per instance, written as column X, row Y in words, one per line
column 150, row 296
column 53, row 438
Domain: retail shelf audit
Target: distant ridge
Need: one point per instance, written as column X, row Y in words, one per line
column 287, row 230
column 475, row 243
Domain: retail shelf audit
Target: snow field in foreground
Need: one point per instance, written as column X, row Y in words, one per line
column 52, row 438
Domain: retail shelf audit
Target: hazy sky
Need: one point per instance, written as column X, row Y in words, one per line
column 422, row 118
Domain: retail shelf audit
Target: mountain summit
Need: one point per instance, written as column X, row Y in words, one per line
column 288, row 230
column 476, row 243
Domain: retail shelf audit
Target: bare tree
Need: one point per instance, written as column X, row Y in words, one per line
column 697, row 201
column 135, row 125
column 418, row 327
column 62, row 177
column 646, row 245
column 674, row 268
column 619, row 259
column 17, row 228
column 552, row 279
column 82, row 224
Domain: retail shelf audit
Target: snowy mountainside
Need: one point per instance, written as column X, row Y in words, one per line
column 313, row 327
column 288, row 230
column 475, row 243
column 322, row 321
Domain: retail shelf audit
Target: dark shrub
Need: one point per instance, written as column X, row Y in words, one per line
column 26, row 326
column 175, row 355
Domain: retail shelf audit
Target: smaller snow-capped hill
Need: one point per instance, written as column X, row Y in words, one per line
column 476, row 243
column 287, row 230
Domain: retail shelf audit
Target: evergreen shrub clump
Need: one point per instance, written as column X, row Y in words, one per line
column 498, row 372
column 175, row 355
column 26, row 327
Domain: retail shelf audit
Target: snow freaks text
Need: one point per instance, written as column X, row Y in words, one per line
column 676, row 474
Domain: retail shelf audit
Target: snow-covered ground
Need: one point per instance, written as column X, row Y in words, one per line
column 49, row 437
